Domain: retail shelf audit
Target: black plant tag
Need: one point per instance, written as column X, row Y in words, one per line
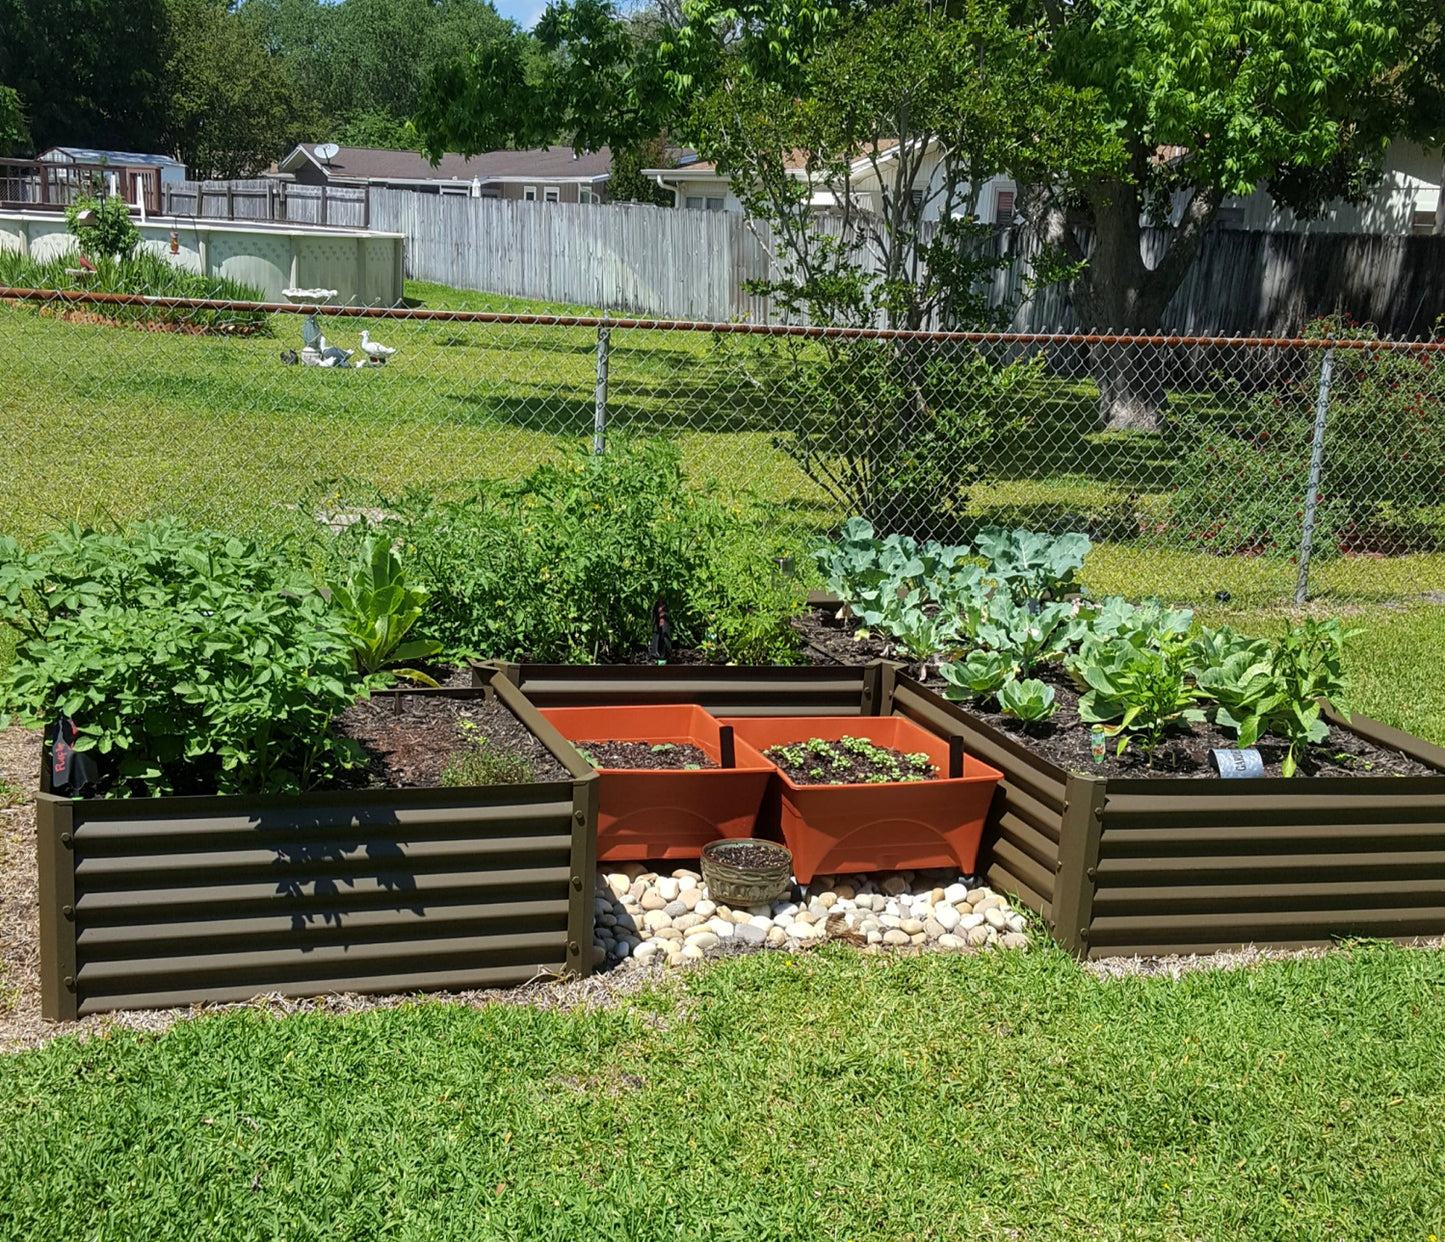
column 659, row 647
column 72, row 771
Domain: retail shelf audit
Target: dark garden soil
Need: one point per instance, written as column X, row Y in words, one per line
column 411, row 747
column 746, row 855
column 1066, row 740
column 857, row 771
column 677, row 755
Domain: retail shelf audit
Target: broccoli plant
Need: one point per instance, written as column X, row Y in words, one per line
column 980, row 674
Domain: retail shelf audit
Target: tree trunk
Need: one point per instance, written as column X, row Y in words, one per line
column 1119, row 293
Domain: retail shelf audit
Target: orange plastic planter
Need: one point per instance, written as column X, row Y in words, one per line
column 660, row 813
column 892, row 827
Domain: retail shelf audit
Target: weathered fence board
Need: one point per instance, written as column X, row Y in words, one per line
column 693, row 264
column 268, row 199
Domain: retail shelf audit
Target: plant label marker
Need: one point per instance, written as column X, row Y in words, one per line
column 955, row 757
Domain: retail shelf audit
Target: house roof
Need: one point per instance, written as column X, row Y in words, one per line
column 93, row 155
column 375, row 164
column 795, row 161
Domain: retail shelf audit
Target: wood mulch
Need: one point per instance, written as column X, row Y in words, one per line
column 1066, row 740
column 663, row 756
column 409, row 739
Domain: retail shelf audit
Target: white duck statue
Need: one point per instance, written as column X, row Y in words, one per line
column 333, row 355
column 375, row 349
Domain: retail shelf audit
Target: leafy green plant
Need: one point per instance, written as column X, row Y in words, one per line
column 378, row 609
column 480, row 761
column 978, row 675
column 191, row 662
column 1032, row 565
column 567, row 563
column 1029, row 700
column 1029, row 636
column 871, row 574
column 1278, row 688
column 1138, row 692
column 102, row 227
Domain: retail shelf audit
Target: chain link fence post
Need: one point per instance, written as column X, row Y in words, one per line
column 1317, row 462
column 599, row 416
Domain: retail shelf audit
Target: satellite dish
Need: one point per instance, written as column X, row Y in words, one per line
column 328, row 151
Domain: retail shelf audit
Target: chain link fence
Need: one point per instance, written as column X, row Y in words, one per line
column 1243, row 471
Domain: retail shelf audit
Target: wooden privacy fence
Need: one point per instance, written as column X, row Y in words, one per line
column 649, row 260
column 682, row 264
column 268, row 199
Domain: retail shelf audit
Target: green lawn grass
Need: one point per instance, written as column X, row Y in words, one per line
column 822, row 1096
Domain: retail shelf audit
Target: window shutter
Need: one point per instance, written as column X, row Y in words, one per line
column 1004, row 211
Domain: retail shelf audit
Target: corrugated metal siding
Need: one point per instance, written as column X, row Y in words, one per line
column 751, row 691
column 207, row 899
column 1275, row 862
column 1021, row 839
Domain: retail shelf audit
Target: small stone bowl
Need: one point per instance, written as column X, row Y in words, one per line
column 766, row 875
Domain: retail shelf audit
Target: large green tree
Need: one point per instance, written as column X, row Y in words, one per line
column 232, row 107
column 1209, row 98
column 364, row 64
column 87, row 72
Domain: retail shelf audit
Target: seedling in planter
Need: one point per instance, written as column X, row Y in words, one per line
column 849, row 760
column 378, row 608
column 1029, row 700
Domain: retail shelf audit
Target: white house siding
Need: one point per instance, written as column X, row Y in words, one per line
column 1408, row 193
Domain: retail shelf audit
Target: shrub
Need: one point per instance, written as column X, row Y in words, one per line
column 896, row 435
column 1242, row 489
column 190, row 662
column 567, row 563
column 110, row 234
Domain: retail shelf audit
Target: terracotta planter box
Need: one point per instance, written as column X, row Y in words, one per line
column 666, row 813
column 155, row 902
column 885, row 827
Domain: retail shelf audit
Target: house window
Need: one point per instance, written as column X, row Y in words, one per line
column 584, row 195
column 1003, row 212
column 1229, row 218
column 1424, row 222
column 551, row 194
column 694, row 201
column 917, row 197
column 714, row 204
column 529, row 193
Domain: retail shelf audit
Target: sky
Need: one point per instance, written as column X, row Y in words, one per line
column 523, row 12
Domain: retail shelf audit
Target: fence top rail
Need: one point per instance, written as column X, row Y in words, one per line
column 87, row 297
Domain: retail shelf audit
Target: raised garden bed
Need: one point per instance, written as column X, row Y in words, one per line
column 1131, row 864
column 156, row 902
column 658, row 808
